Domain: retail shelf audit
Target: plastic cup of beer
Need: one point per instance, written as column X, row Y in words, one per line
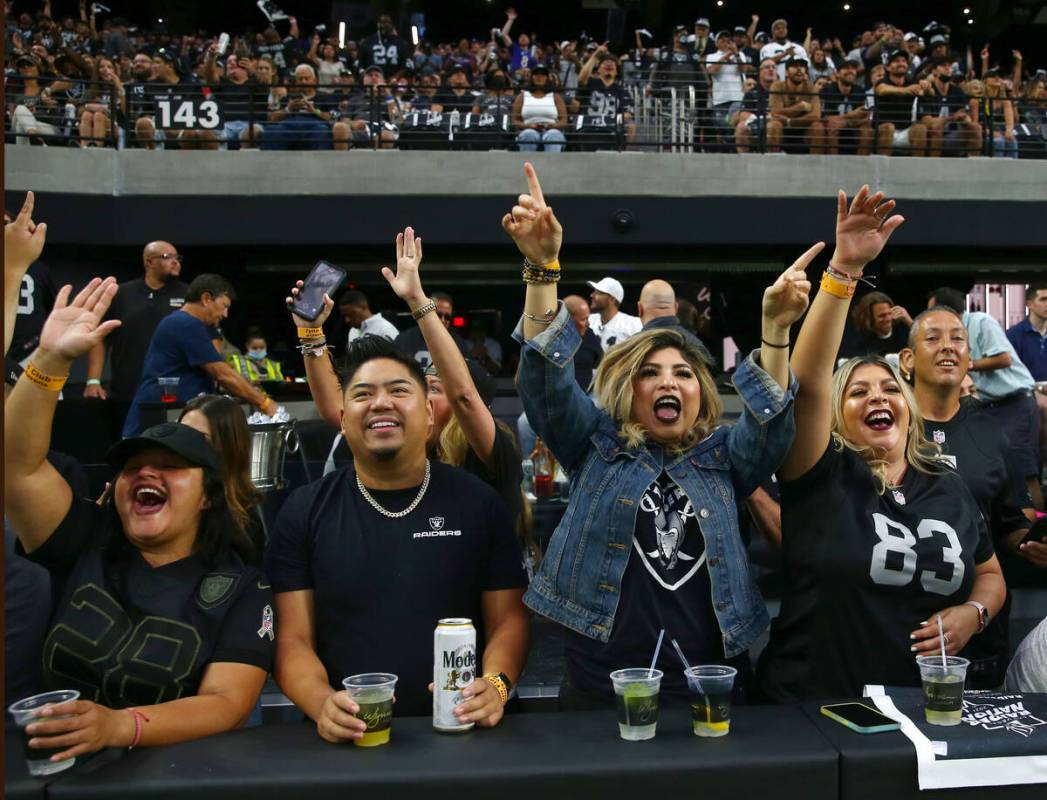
column 37, row 759
column 373, row 692
column 943, row 688
column 710, row 689
column 636, row 697
column 168, row 389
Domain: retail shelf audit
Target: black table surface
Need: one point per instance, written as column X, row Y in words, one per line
column 770, row 751
column 883, row 765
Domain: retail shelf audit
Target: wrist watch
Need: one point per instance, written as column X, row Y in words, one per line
column 983, row 614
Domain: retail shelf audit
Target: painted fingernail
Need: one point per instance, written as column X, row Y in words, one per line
column 912, row 635
column 924, row 622
column 913, row 648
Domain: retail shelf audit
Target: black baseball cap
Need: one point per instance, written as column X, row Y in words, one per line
column 168, row 56
column 797, row 61
column 375, row 68
column 540, row 68
column 180, row 439
column 899, row 53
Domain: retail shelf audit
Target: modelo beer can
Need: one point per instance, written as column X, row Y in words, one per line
column 454, row 668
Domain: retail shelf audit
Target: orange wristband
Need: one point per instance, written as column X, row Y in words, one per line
column 49, row 383
column 310, row 333
column 837, row 288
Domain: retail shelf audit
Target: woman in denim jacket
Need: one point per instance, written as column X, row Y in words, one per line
column 650, row 537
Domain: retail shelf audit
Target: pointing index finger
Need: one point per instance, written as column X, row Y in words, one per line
column 27, row 208
column 535, row 188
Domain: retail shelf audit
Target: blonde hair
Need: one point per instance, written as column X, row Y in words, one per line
column 920, row 454
column 613, row 385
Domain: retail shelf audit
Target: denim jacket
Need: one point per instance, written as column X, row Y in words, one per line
column 580, row 578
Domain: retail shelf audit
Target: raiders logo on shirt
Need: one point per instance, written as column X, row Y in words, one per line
column 668, row 541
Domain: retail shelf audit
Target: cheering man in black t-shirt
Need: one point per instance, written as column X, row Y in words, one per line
column 139, row 305
column 365, row 561
column 946, row 111
column 895, row 108
column 975, row 446
column 843, row 107
column 385, row 49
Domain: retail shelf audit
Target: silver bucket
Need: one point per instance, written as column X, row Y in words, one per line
column 270, row 444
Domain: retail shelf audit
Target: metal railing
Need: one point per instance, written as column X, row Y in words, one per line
column 663, row 116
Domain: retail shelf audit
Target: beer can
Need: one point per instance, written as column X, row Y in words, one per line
column 454, row 668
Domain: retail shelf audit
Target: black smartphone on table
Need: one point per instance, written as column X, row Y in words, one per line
column 324, row 278
column 860, row 717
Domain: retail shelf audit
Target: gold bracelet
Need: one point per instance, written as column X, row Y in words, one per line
column 421, row 311
column 499, row 685
column 49, row 383
column 539, row 275
column 550, row 315
column 310, row 333
column 837, row 288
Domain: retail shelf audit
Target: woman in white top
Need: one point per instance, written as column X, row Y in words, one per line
column 540, row 115
column 329, row 69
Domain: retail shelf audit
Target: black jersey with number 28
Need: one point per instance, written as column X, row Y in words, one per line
column 128, row 634
column 862, row 571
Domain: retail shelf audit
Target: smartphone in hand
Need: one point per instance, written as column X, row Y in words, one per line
column 324, row 278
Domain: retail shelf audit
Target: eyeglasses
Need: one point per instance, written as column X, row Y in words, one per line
column 169, row 257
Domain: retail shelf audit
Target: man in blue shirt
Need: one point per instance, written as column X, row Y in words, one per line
column 1029, row 339
column 182, row 348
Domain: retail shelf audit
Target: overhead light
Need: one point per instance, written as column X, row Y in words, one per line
column 341, row 35
column 970, row 21
column 414, row 34
column 719, row 2
column 846, row 6
column 966, row 11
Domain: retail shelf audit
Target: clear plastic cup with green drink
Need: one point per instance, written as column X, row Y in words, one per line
column 636, row 697
column 943, row 688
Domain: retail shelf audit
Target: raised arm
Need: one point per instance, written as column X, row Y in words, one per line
column 1016, row 77
column 751, row 32
column 861, row 233
column 466, row 403
column 23, row 243
column 547, row 336
column 324, row 385
column 510, row 18
column 36, row 497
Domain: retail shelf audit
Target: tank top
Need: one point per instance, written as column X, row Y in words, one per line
column 539, row 109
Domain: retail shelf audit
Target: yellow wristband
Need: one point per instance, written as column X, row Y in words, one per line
column 838, row 288
column 310, row 333
column 552, row 265
column 49, row 383
column 500, row 687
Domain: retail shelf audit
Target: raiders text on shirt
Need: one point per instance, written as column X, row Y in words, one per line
column 437, row 524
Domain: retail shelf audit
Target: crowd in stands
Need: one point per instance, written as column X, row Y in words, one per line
column 94, row 80
column 846, row 446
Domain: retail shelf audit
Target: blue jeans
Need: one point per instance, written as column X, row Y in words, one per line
column 526, row 435
column 1002, row 148
column 552, row 140
column 297, row 132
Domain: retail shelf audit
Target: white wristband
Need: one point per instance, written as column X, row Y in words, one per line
column 94, row 382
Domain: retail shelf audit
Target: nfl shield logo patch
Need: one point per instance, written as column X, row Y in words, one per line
column 437, row 523
column 899, row 498
column 939, row 437
column 215, row 588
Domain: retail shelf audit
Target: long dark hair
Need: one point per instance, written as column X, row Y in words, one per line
column 218, row 531
column 232, row 441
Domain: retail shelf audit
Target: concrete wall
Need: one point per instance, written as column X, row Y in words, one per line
column 442, row 173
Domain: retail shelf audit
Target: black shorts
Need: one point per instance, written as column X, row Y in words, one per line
column 1019, row 417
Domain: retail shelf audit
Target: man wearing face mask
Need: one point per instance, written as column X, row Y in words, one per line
column 255, row 365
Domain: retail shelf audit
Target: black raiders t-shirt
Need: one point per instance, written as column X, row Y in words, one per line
column 835, row 103
column 508, row 470
column 862, row 571
column 973, row 443
column 666, row 585
column 601, row 100
column 942, row 104
column 36, row 298
column 140, row 309
column 895, row 108
column 391, row 53
column 128, row 634
column 975, row 446
column 380, row 585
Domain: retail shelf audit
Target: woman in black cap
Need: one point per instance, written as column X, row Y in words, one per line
column 160, row 622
